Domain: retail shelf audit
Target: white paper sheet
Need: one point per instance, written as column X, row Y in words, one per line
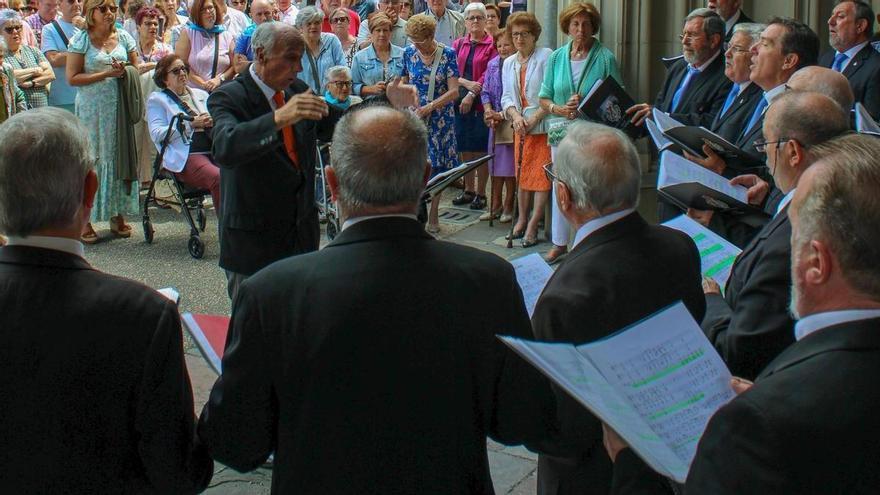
column 532, row 274
column 716, row 253
column 676, row 169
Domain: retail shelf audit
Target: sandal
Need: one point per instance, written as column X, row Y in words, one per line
column 556, row 254
column 123, row 230
column 516, row 234
column 527, row 243
column 432, row 229
column 89, row 236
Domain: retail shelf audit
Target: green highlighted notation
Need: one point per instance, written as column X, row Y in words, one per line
column 711, row 249
column 660, row 374
column 677, row 407
column 721, row 265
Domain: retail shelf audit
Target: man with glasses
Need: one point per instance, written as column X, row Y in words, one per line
column 750, row 324
column 55, row 39
column 620, row 270
column 398, row 26
column 45, row 14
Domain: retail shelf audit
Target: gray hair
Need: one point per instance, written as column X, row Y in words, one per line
column 843, row 209
column 600, row 166
column 7, row 15
column 271, row 35
column 46, row 156
column 307, row 15
column 379, row 156
column 337, row 70
column 752, row 29
column 479, row 7
column 712, row 22
column 808, row 117
column 3, row 47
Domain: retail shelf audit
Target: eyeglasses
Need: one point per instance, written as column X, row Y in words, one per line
column 475, row 18
column 406, row 4
column 341, row 84
column 738, row 49
column 108, row 8
column 761, row 144
column 521, row 34
column 177, row 70
column 12, row 29
column 339, row 20
column 690, row 36
column 548, row 171
column 238, row 2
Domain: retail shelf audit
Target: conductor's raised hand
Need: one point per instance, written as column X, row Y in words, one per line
column 304, row 106
column 639, row 112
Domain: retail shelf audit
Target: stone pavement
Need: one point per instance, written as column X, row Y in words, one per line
column 202, row 286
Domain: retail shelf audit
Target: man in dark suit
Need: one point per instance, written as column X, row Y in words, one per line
column 266, row 123
column 620, row 270
column 366, row 367
column 95, row 396
column 731, row 13
column 750, row 324
column 809, row 424
column 850, row 29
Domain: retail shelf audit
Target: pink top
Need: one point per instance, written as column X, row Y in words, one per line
column 201, row 53
column 484, row 52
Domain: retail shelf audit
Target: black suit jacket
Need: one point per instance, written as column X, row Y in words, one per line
column 703, row 97
column 742, row 18
column 863, row 73
column 618, row 275
column 372, row 366
column 268, row 210
column 809, row 425
column 95, row 396
column 750, row 325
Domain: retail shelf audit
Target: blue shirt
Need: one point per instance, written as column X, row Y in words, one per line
column 61, row 92
column 329, row 54
column 243, row 45
column 367, row 69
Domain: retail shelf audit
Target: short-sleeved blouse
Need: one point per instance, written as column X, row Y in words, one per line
column 201, row 53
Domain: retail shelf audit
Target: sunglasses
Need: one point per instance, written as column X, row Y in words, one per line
column 339, row 20
column 177, row 70
column 12, row 29
column 108, row 8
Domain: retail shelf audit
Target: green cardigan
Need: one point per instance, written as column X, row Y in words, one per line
column 557, row 85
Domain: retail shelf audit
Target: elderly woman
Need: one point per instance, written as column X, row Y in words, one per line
column 323, row 50
column 11, row 98
column 29, row 66
column 339, row 22
column 501, row 168
column 380, row 61
column 338, row 91
column 433, row 69
column 571, row 72
column 521, row 74
column 172, row 21
column 473, row 52
column 206, row 47
column 150, row 49
column 187, row 156
column 493, row 20
column 97, row 58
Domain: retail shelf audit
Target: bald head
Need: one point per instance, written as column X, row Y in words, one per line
column 261, row 11
column 808, row 117
column 379, row 160
column 824, row 81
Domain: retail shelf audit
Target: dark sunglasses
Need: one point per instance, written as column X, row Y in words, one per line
column 108, row 8
column 338, row 20
column 12, row 29
column 177, row 70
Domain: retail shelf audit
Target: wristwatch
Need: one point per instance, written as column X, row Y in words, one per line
column 222, row 77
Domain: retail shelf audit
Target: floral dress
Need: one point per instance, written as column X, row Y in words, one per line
column 96, row 106
column 442, row 147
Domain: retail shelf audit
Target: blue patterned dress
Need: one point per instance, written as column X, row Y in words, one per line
column 442, row 147
column 96, row 106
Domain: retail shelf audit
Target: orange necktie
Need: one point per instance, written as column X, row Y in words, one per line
column 287, row 132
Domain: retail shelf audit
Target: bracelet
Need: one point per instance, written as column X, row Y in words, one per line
column 552, row 106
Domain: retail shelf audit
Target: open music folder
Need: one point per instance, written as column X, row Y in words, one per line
column 692, row 139
column 656, row 382
column 717, row 255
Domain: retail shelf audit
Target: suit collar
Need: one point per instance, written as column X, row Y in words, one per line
column 255, row 95
column 858, row 60
column 623, row 227
column 775, row 223
column 34, row 256
column 748, row 96
column 698, row 80
column 856, row 335
column 379, row 229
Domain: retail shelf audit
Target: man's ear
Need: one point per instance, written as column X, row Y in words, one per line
column 563, row 196
column 819, row 263
column 332, row 182
column 90, row 188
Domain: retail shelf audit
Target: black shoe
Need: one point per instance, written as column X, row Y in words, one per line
column 463, row 198
column 478, row 203
column 527, row 243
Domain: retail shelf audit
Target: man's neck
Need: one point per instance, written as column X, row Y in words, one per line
column 775, row 83
column 45, row 18
column 439, row 12
column 67, row 18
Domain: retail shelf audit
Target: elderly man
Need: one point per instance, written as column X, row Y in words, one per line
column 360, row 387
column 809, row 424
column 750, row 324
column 94, row 381
column 261, row 11
column 828, row 82
column 450, row 23
column 398, row 25
column 288, row 11
column 850, row 29
column 731, row 13
column 44, row 16
column 621, row 269
column 55, row 40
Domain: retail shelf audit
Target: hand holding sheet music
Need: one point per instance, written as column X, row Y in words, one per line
column 689, row 185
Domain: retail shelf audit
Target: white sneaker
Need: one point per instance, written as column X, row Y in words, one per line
column 506, row 218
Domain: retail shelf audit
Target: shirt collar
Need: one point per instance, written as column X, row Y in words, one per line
column 708, row 62
column 352, row 221
column 815, row 322
column 773, row 93
column 268, row 92
column 743, row 86
column 64, row 244
column 852, row 53
column 785, row 201
column 595, row 224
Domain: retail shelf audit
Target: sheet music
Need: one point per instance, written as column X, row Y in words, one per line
column 532, row 274
column 676, row 169
column 660, row 141
column 716, row 253
column 865, row 124
column 170, row 293
column 664, row 121
column 670, row 373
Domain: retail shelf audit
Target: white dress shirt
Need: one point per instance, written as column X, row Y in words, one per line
column 815, row 322
column 356, row 220
column 268, row 92
column 64, row 244
column 785, row 201
column 597, row 223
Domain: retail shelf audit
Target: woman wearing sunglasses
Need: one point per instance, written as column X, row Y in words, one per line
column 29, row 66
column 97, row 58
column 339, row 22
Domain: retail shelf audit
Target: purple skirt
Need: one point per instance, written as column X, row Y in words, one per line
column 502, row 165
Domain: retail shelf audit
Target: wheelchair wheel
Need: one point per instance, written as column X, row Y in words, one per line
column 196, row 247
column 148, row 231
column 332, row 229
column 201, row 219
